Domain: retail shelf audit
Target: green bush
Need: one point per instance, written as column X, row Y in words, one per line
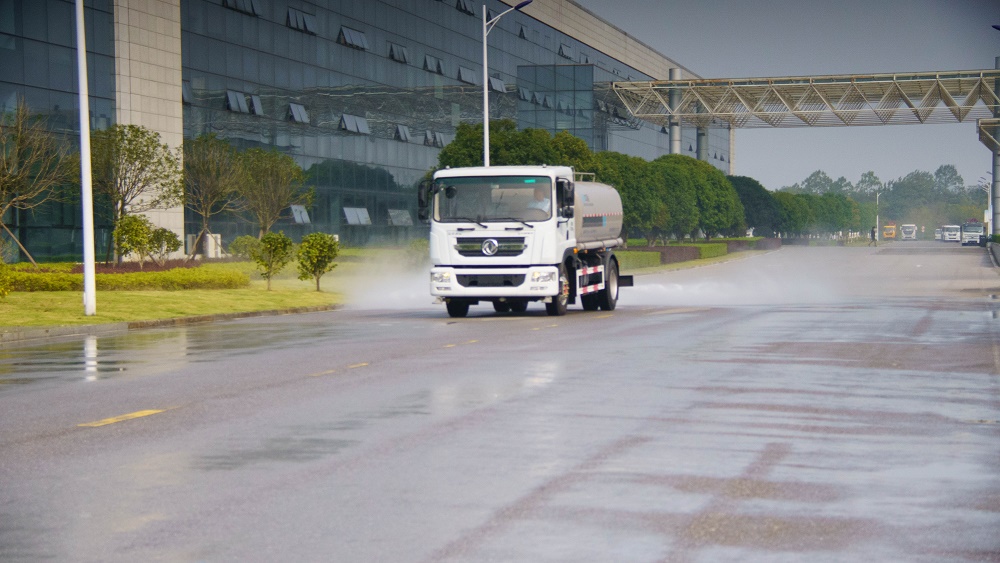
column 5, row 283
column 132, row 236
column 243, row 247
column 316, row 255
column 635, row 259
column 66, row 267
column 712, row 249
column 275, row 252
column 162, row 243
column 178, row 278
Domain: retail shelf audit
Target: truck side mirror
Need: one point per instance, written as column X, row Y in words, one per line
column 423, row 194
column 424, row 200
column 564, row 197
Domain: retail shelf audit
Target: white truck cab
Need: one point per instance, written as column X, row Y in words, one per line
column 512, row 235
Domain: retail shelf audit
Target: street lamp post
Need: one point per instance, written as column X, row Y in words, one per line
column 488, row 25
column 986, row 186
column 876, row 216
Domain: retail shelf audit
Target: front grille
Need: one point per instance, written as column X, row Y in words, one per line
column 490, row 280
column 506, row 246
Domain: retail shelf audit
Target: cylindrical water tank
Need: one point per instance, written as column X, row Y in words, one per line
column 598, row 214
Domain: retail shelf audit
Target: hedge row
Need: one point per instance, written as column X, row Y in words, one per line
column 181, row 278
column 635, row 259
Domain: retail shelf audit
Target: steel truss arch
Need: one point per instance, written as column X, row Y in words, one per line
column 817, row 101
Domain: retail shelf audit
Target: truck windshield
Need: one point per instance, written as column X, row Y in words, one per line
column 973, row 229
column 495, row 198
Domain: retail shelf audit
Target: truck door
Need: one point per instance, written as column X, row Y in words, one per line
column 565, row 198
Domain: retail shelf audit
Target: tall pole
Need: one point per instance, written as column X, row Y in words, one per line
column 86, row 187
column 488, row 25
column 674, row 97
column 876, row 215
column 486, row 94
column 995, row 193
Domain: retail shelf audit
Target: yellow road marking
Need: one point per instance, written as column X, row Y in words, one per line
column 124, row 417
column 450, row 345
column 327, row 372
column 472, row 342
column 608, row 316
column 361, row 365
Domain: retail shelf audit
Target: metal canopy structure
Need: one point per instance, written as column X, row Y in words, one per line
column 817, row 101
column 989, row 129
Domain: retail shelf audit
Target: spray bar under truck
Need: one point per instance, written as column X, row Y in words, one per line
column 512, row 235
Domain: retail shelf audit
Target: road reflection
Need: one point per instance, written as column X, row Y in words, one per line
column 150, row 351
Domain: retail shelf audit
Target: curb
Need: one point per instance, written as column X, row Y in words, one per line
column 26, row 335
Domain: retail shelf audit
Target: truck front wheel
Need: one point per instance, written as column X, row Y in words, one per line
column 457, row 308
column 557, row 307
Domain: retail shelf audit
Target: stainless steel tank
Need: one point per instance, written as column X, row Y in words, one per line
column 598, row 215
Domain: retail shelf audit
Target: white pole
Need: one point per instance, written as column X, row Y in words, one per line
column 487, row 26
column 87, row 195
column 486, row 97
column 876, row 216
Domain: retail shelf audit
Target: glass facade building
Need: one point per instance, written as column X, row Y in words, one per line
column 363, row 94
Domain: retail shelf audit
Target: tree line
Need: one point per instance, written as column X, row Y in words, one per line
column 920, row 197
column 673, row 196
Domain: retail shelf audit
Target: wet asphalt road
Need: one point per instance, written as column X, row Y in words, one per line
column 823, row 404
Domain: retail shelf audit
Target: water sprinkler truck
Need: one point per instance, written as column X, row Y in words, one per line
column 513, row 235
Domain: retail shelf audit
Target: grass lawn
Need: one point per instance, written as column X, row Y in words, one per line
column 65, row 308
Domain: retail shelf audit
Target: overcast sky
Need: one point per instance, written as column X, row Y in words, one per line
column 762, row 38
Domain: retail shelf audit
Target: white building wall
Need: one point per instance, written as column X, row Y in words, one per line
column 148, row 78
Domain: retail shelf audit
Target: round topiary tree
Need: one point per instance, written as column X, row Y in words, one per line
column 316, row 256
column 274, row 254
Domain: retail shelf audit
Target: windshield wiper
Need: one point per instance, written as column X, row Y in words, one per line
column 529, row 225
column 469, row 220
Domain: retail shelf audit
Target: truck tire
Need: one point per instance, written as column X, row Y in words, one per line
column 519, row 306
column 608, row 297
column 557, row 307
column 457, row 308
column 591, row 301
column 501, row 306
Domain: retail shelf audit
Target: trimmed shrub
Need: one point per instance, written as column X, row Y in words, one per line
column 5, row 284
column 179, row 278
column 316, row 256
column 244, row 246
column 712, row 249
column 275, row 252
column 635, row 259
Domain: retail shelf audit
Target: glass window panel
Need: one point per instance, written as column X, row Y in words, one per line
column 61, row 20
column 33, row 20
column 36, row 64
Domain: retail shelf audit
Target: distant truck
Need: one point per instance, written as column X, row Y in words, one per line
column 512, row 235
column 889, row 230
column 907, row 232
column 951, row 233
column 971, row 233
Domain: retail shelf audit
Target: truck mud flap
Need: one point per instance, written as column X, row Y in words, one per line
column 625, row 281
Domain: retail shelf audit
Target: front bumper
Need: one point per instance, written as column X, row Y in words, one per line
column 532, row 282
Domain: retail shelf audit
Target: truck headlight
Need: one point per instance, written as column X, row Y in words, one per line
column 441, row 277
column 538, row 277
